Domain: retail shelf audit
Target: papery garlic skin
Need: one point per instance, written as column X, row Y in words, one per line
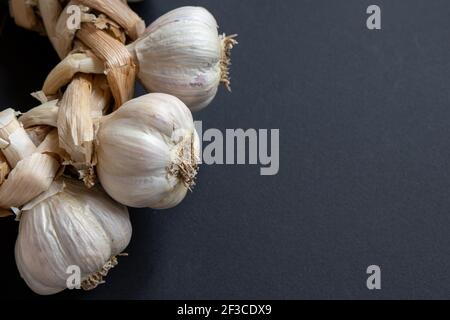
column 69, row 225
column 182, row 54
column 32, row 172
column 148, row 152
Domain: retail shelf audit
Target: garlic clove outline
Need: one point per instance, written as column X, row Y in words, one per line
column 182, row 54
column 148, row 152
column 70, row 225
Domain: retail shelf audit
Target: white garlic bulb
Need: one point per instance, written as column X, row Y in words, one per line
column 182, row 54
column 148, row 151
column 70, row 225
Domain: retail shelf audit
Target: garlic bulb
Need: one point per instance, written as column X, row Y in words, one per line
column 182, row 54
column 70, row 225
column 148, row 152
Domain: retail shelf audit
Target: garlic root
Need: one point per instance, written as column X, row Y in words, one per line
column 97, row 278
column 228, row 42
column 185, row 164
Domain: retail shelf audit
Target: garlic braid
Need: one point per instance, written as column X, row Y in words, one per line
column 96, row 66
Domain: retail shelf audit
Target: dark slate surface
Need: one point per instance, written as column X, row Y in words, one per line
column 364, row 177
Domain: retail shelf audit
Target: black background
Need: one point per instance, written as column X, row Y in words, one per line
column 364, row 146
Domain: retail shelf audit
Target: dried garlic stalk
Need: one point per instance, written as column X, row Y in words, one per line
column 63, row 38
column 100, row 98
column 32, row 172
column 75, row 125
column 85, row 101
column 63, row 73
column 50, row 145
column 102, row 22
column 24, row 15
column 4, row 168
column 45, row 114
column 119, row 66
column 5, row 213
column 14, row 141
column 32, row 176
column 119, row 12
column 38, row 134
column 50, row 11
